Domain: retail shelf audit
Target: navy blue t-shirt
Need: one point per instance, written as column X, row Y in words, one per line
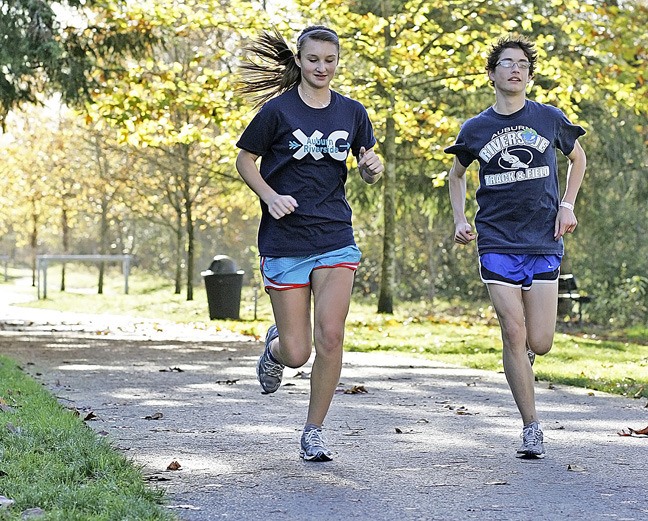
column 303, row 153
column 518, row 192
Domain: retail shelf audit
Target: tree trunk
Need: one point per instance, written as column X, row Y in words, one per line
column 103, row 243
column 65, row 228
column 33, row 242
column 386, row 298
column 188, row 208
column 179, row 249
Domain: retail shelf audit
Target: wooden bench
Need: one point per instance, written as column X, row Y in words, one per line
column 568, row 294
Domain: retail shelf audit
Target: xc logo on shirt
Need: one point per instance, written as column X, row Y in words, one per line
column 317, row 147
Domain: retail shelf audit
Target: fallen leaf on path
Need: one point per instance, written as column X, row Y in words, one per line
column 575, row 468
column 496, row 483
column 401, row 431
column 156, row 416
column 184, row 507
column 172, row 370
column 226, row 382
column 157, row 478
column 90, row 415
column 174, row 465
column 641, row 433
column 356, row 389
column 303, row 375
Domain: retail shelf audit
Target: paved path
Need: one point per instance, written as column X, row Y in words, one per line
column 426, row 441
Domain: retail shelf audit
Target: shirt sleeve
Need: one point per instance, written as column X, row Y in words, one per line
column 567, row 134
column 364, row 136
column 257, row 137
column 460, row 149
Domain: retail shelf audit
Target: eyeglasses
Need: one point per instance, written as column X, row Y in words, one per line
column 508, row 64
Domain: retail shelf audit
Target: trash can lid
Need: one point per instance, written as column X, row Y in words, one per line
column 222, row 264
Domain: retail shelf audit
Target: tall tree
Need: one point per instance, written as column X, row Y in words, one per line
column 50, row 46
column 417, row 63
column 181, row 103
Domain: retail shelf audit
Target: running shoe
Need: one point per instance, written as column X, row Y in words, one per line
column 532, row 438
column 313, row 447
column 269, row 372
column 531, row 355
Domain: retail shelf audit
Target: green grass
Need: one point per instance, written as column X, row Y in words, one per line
column 582, row 359
column 49, row 459
column 613, row 361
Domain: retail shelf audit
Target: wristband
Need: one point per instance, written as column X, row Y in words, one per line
column 567, row 205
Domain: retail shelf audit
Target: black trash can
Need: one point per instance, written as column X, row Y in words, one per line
column 223, row 283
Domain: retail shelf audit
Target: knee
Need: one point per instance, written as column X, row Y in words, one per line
column 540, row 344
column 513, row 334
column 293, row 352
column 328, row 341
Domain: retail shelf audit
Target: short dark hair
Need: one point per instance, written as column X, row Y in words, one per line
column 512, row 42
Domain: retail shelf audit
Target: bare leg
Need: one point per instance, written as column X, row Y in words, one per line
column 291, row 310
column 540, row 309
column 332, row 295
column 509, row 306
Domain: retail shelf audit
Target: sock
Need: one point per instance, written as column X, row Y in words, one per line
column 272, row 357
column 311, row 426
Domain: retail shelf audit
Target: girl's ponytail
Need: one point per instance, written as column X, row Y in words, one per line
column 273, row 72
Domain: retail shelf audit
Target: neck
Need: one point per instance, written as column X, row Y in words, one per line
column 507, row 104
column 316, row 98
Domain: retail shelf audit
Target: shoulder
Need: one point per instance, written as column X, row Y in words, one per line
column 348, row 103
column 280, row 102
column 479, row 121
column 545, row 109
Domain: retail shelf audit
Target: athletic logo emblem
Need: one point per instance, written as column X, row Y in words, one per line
column 336, row 145
column 511, row 160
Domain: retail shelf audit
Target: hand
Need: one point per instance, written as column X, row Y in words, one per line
column 369, row 164
column 464, row 233
column 282, row 205
column 566, row 222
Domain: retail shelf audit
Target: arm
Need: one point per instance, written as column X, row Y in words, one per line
column 566, row 221
column 369, row 165
column 278, row 205
column 457, row 186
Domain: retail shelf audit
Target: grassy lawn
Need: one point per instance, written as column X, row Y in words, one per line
column 465, row 334
column 50, row 460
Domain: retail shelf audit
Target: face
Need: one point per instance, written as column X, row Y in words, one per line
column 317, row 61
column 514, row 79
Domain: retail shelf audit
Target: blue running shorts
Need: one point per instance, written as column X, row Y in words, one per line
column 519, row 271
column 282, row 273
